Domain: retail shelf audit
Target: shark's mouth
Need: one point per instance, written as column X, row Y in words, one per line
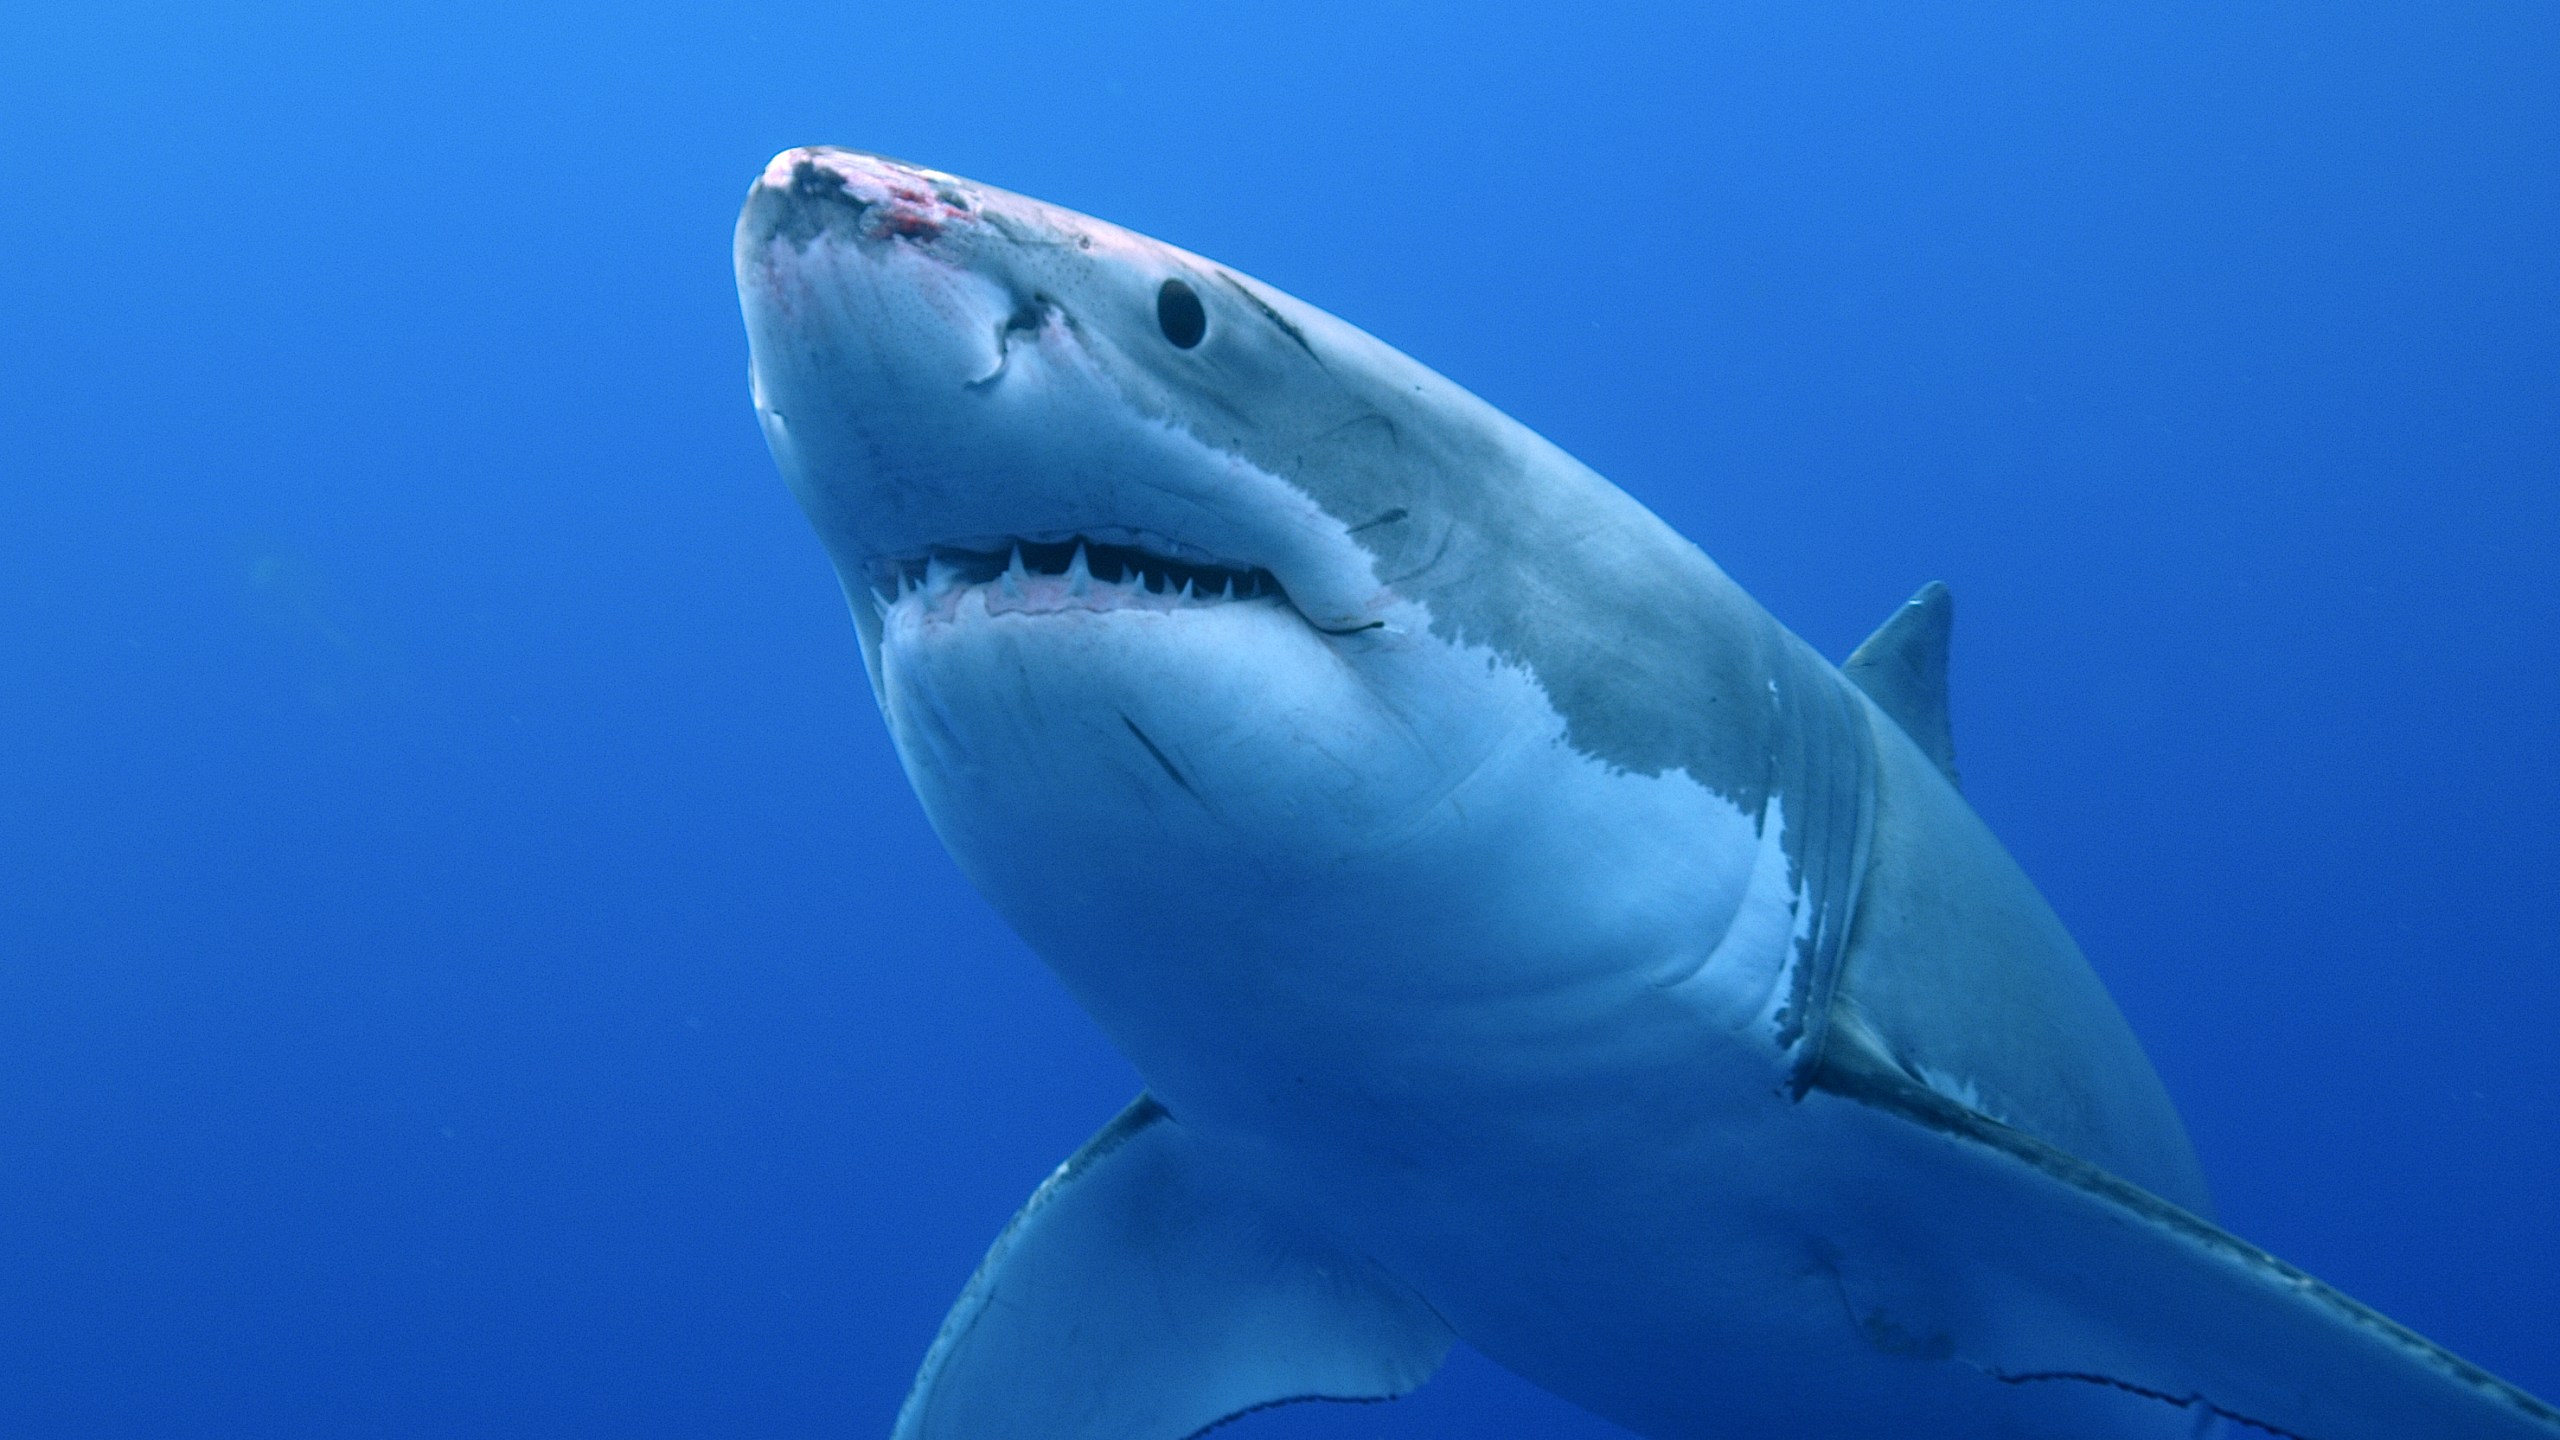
column 1049, row 574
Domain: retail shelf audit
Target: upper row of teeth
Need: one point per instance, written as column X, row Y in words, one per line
column 938, row 573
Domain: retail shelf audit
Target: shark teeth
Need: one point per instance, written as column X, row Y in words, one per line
column 1078, row 572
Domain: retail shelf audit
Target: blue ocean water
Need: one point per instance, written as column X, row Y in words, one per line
column 469, row 963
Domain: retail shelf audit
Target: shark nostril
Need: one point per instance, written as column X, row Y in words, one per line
column 1029, row 318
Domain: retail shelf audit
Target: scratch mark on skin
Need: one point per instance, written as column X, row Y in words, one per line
column 1160, row 759
column 2183, row 1402
column 1437, row 555
column 1388, row 518
column 1886, row 1334
column 1395, row 437
column 1225, row 1420
column 1274, row 316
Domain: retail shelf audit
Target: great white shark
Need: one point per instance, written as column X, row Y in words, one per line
column 1523, row 938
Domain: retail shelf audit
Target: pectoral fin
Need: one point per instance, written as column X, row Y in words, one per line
column 1138, row 1296
column 2094, row 1305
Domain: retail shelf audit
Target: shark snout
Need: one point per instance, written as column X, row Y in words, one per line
column 816, row 190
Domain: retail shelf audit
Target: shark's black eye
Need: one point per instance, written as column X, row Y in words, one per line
column 1179, row 314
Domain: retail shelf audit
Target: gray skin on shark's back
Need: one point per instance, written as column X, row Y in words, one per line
column 1524, row 937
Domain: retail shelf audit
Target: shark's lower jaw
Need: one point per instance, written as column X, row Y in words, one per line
column 1052, row 574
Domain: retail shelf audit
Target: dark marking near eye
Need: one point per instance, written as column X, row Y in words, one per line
column 1180, row 314
column 1274, row 316
column 1395, row 437
column 1347, row 629
column 1011, row 229
column 1389, row 518
column 1160, row 758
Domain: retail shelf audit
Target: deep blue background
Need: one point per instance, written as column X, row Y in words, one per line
column 469, row 963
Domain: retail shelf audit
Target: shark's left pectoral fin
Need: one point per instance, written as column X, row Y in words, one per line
column 1138, row 1296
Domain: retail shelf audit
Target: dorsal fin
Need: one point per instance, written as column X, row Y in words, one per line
column 1903, row 668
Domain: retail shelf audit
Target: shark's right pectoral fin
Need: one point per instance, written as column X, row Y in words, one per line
column 1139, row 1297
column 2096, row 1308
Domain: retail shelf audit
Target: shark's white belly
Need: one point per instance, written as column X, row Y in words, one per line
column 1294, row 919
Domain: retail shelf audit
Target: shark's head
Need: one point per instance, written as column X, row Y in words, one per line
column 959, row 382
column 1208, row 627
column 1054, row 463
